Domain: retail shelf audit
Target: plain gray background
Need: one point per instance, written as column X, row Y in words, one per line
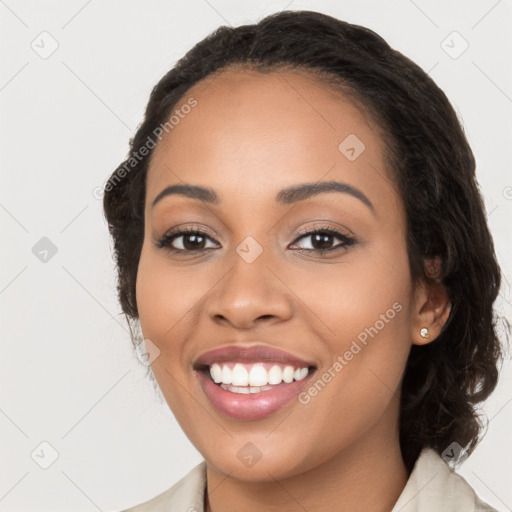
column 75, row 78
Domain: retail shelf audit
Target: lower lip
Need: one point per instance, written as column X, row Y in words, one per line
column 252, row 406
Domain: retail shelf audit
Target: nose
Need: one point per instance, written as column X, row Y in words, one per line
column 250, row 294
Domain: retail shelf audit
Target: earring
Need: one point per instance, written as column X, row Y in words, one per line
column 424, row 332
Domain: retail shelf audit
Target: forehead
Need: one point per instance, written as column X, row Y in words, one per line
column 251, row 134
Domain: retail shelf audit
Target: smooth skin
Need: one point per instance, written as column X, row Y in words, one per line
column 250, row 136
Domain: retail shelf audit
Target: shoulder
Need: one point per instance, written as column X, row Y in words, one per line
column 186, row 495
column 434, row 486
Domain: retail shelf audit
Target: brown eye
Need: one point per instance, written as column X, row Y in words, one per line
column 185, row 240
column 323, row 238
column 193, row 240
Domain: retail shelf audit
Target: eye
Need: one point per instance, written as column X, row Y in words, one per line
column 322, row 238
column 193, row 240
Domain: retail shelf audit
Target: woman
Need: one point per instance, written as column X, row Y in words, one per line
column 299, row 235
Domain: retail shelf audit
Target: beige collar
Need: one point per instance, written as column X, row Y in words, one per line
column 432, row 487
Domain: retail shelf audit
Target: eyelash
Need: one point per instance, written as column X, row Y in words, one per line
column 347, row 241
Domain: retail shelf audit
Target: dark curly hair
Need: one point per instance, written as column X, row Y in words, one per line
column 434, row 168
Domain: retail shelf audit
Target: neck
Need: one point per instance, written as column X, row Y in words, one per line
column 368, row 475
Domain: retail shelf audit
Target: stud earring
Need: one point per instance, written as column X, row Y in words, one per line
column 424, row 332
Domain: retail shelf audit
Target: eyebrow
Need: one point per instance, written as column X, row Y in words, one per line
column 286, row 196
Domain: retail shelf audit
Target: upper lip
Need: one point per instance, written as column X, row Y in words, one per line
column 250, row 354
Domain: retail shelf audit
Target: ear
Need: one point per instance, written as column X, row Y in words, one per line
column 432, row 305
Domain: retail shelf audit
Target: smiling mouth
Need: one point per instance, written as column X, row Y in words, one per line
column 243, row 378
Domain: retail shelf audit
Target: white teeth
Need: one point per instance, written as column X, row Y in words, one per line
column 258, row 375
column 252, row 389
column 240, row 376
column 254, row 378
column 226, row 375
column 300, row 374
column 275, row 375
column 216, row 373
column 288, row 374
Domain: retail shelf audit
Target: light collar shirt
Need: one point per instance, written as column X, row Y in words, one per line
column 432, row 487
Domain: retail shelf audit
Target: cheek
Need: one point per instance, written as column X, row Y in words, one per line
column 368, row 287
column 366, row 305
column 170, row 301
column 164, row 294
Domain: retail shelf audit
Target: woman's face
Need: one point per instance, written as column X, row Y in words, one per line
column 257, row 280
